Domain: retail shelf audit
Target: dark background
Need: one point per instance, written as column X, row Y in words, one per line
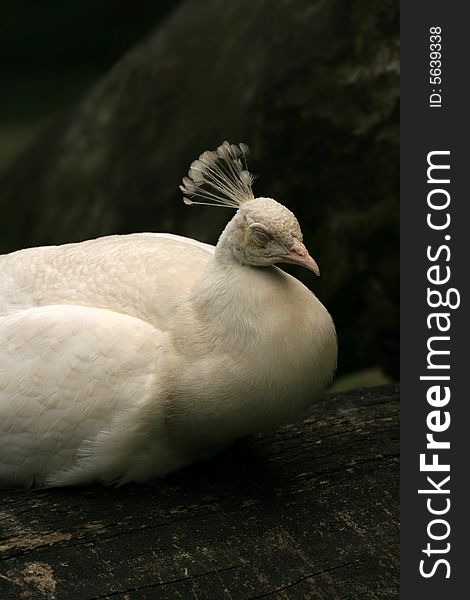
column 51, row 52
column 103, row 105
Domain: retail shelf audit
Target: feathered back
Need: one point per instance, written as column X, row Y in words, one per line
column 220, row 177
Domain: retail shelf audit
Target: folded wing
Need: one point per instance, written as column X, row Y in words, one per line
column 69, row 375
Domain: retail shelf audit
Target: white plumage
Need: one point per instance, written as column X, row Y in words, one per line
column 130, row 356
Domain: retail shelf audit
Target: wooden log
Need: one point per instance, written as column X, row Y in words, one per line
column 307, row 511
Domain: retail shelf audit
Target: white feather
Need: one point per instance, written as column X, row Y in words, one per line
column 219, row 177
column 129, row 356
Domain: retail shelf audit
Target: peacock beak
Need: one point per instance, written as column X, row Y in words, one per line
column 298, row 255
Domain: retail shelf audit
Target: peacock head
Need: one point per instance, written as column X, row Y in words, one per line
column 263, row 231
column 271, row 234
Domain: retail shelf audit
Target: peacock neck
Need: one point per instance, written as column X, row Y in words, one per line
column 232, row 301
column 263, row 340
column 228, row 252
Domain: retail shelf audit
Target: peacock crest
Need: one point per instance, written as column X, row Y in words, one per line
column 220, row 177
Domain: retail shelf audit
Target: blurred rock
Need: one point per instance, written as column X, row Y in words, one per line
column 311, row 86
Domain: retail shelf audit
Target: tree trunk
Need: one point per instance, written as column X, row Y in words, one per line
column 307, row 511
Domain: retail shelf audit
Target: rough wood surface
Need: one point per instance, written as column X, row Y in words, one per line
column 307, row 511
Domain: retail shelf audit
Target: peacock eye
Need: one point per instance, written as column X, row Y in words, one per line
column 260, row 234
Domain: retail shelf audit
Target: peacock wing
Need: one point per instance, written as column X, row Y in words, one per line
column 74, row 384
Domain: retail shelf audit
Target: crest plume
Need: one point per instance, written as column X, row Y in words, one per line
column 220, row 177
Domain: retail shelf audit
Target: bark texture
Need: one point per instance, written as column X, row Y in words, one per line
column 309, row 511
